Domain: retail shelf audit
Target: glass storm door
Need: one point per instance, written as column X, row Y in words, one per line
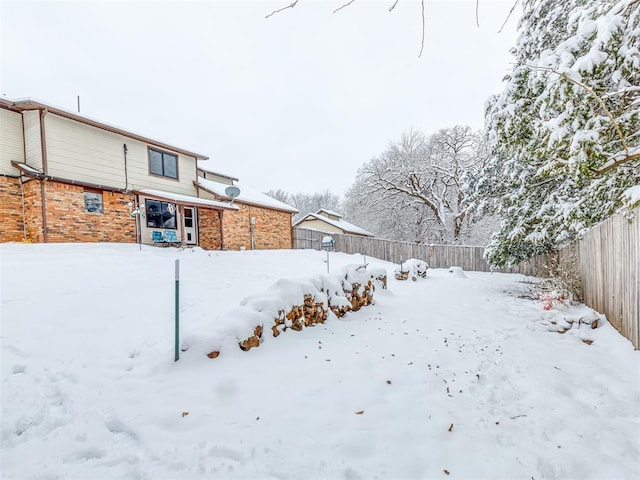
column 189, row 219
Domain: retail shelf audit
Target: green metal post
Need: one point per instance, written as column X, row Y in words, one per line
column 177, row 312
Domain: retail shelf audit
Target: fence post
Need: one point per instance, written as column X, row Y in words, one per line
column 177, row 312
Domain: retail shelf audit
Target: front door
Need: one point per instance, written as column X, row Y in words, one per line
column 190, row 226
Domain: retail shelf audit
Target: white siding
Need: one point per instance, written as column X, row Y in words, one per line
column 320, row 226
column 82, row 152
column 11, row 141
column 33, row 146
column 206, row 195
column 217, row 178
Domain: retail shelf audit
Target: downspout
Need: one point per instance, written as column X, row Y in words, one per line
column 45, row 170
column 24, row 208
column 24, row 212
column 220, row 217
column 126, row 178
column 138, row 221
column 252, row 224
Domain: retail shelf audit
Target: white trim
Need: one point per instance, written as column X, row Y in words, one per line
column 184, row 199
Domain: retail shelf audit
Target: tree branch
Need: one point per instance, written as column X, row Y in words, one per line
column 394, row 5
column 291, row 5
column 343, row 6
column 594, row 95
column 513, row 7
column 422, row 42
column 611, row 166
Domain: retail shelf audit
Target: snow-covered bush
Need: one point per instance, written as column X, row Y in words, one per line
column 457, row 272
column 412, row 268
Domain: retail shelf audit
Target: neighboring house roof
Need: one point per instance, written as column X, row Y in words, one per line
column 184, row 199
column 30, row 104
column 247, row 195
column 346, row 227
column 209, row 167
column 329, row 212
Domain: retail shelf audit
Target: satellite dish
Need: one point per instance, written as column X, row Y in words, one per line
column 232, row 191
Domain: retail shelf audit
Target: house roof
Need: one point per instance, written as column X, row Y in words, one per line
column 185, row 199
column 31, row 104
column 341, row 224
column 247, row 195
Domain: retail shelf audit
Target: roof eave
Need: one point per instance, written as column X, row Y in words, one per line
column 243, row 202
column 29, row 104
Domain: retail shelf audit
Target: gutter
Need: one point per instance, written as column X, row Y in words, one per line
column 41, row 176
column 43, row 152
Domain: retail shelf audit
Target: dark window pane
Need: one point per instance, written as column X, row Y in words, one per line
column 170, row 166
column 168, row 215
column 154, row 213
column 155, row 162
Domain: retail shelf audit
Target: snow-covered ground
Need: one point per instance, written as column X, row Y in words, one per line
column 444, row 377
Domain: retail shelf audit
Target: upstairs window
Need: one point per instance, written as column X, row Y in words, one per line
column 163, row 164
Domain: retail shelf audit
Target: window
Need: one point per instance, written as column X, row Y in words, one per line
column 161, row 214
column 163, row 164
column 93, row 202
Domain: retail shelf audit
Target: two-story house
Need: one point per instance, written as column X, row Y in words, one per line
column 67, row 178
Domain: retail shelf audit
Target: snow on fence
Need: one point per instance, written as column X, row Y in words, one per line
column 602, row 269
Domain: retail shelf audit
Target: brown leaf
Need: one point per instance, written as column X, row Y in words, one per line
column 360, row 412
column 451, row 427
column 184, row 414
column 388, row 382
column 447, row 472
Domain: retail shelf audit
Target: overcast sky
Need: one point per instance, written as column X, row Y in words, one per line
column 298, row 101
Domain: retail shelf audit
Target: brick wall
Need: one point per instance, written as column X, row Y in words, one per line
column 67, row 220
column 11, row 217
column 272, row 228
column 209, row 229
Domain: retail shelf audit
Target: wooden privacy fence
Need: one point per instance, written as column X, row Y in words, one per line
column 602, row 269
column 437, row 256
column 608, row 260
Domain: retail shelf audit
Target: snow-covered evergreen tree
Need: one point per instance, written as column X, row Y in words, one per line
column 565, row 132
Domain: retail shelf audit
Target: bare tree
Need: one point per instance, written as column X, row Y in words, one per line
column 415, row 189
column 393, row 5
column 308, row 202
column 280, row 195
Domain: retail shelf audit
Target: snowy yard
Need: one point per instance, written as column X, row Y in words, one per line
column 444, row 377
